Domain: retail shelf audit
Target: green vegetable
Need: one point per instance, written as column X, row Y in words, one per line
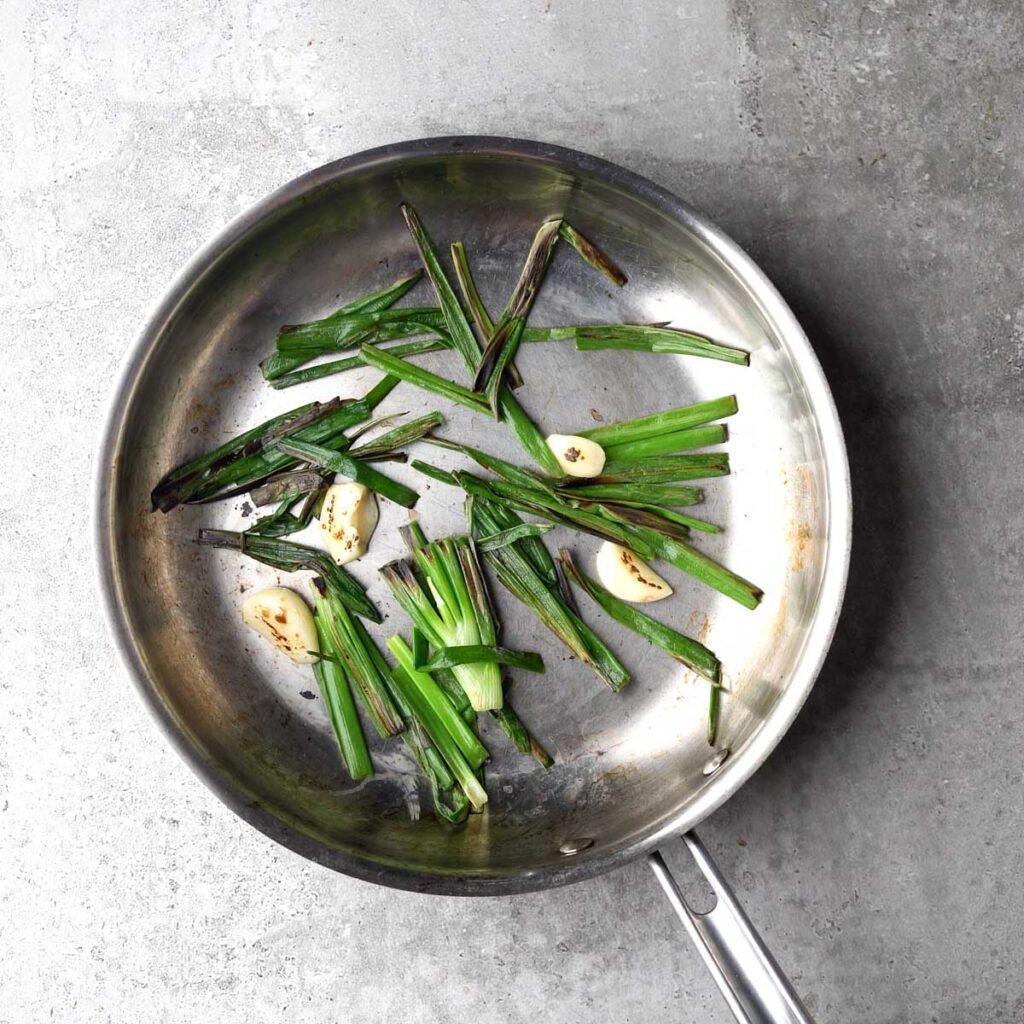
column 508, row 331
column 660, row 494
column 702, row 568
column 475, row 307
column 458, row 327
column 437, row 717
column 281, row 522
column 321, row 370
column 669, row 443
column 714, row 711
column 353, row 468
column 660, row 423
column 279, row 363
column 400, row 437
column 499, row 467
column 511, row 724
column 503, row 538
column 291, row 484
column 241, row 475
column 641, row 513
column 684, row 649
column 181, row 483
column 450, row 608
column 461, row 334
column 519, row 575
column 341, row 708
column 644, row 338
column 663, row 469
column 349, row 645
column 451, row 657
column 596, row 257
column 424, row 379
column 287, row 556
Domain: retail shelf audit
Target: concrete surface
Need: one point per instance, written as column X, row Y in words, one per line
column 870, row 155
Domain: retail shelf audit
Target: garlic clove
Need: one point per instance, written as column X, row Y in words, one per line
column 629, row 577
column 284, row 619
column 577, row 456
column 348, row 518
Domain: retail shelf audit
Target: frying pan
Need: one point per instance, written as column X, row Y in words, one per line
column 634, row 769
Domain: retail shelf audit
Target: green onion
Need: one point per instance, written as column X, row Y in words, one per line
column 321, row 370
column 517, row 573
column 475, row 307
column 669, row 340
column 182, row 483
column 596, row 257
column 662, row 422
column 245, row 472
column 512, row 725
column 470, row 296
column 555, row 509
column 669, row 443
column 349, row 645
column 508, row 331
column 287, row 556
column 278, row 363
column 452, row 609
column 663, row 469
column 289, row 484
column 351, row 331
column 498, row 518
column 434, row 472
column 503, row 538
column 458, row 327
column 624, row 509
column 281, row 523
column 437, row 716
column 400, row 437
column 714, row 712
column 441, row 707
column 531, row 439
column 653, row 520
column 527, row 434
column 341, row 708
column 449, row 800
column 424, row 379
column 702, row 568
column 684, row 649
column 499, row 467
column 450, row 657
column 661, row 494
column 337, row 462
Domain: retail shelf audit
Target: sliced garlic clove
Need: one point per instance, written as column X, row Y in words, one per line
column 348, row 518
column 285, row 620
column 629, row 577
column 577, row 455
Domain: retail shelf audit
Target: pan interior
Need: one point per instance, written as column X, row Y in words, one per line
column 629, row 766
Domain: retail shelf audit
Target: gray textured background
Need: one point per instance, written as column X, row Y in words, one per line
column 870, row 156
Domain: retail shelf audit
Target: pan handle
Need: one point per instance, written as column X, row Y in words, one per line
column 746, row 973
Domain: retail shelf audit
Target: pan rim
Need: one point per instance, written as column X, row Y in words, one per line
column 742, row 765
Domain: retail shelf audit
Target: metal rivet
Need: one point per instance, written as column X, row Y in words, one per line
column 716, row 761
column 573, row 846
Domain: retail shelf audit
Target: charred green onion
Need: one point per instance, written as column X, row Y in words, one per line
column 442, row 591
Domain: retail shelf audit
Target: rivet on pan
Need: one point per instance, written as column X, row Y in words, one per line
column 716, row 761
column 573, row 846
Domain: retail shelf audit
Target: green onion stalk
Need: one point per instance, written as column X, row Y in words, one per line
column 441, row 589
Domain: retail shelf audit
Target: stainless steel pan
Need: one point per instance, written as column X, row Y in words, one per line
column 634, row 770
